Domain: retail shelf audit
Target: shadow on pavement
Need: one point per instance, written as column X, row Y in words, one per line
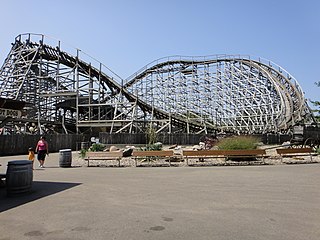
column 39, row 190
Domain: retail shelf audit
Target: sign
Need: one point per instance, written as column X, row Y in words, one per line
column 10, row 113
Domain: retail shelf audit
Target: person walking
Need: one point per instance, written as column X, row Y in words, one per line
column 42, row 150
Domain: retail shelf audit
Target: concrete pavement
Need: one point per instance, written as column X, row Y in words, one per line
column 239, row 202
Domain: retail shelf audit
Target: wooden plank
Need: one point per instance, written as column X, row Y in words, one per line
column 293, row 152
column 246, row 154
column 150, row 154
column 103, row 154
column 90, row 156
column 166, row 153
column 254, row 152
column 208, row 153
column 202, row 153
column 282, row 151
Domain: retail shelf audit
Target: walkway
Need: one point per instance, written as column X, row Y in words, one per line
column 248, row 202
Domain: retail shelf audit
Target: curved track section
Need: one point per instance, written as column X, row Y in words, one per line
column 70, row 89
column 231, row 92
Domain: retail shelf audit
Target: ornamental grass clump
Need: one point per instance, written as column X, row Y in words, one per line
column 238, row 143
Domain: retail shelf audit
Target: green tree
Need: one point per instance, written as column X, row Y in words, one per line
column 317, row 105
column 151, row 134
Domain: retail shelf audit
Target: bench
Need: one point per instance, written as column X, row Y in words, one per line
column 105, row 156
column 152, row 155
column 228, row 155
column 294, row 152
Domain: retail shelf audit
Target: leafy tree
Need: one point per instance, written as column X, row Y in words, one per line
column 151, row 134
column 317, row 104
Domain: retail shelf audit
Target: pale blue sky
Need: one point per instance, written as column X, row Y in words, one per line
column 126, row 35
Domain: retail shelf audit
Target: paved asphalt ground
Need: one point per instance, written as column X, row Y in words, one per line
column 190, row 203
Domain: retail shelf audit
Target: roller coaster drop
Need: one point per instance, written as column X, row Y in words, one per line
column 64, row 92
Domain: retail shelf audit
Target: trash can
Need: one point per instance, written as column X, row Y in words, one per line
column 19, row 177
column 85, row 145
column 65, row 158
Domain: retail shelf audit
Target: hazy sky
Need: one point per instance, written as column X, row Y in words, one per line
column 126, row 35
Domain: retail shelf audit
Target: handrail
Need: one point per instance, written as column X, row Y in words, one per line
column 43, row 38
column 206, row 58
column 176, row 58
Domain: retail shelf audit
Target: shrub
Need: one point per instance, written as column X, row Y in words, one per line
column 238, row 143
column 83, row 153
column 97, row 147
